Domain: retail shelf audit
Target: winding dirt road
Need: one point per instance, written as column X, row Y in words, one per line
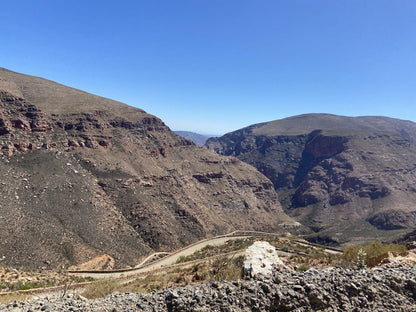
column 166, row 263
column 170, row 261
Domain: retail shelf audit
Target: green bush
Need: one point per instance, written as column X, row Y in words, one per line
column 182, row 259
column 207, row 247
column 302, row 268
column 29, row 285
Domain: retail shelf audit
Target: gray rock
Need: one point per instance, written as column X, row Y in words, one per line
column 386, row 289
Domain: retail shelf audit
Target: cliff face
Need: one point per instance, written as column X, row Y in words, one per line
column 347, row 178
column 83, row 176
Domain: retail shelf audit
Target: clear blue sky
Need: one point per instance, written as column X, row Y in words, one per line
column 214, row 66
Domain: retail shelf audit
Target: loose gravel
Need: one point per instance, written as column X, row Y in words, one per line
column 332, row 289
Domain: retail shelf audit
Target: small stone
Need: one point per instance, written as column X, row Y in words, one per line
column 45, row 307
column 291, row 293
column 312, row 271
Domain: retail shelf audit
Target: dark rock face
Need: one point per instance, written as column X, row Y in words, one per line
column 83, row 176
column 329, row 169
column 333, row 289
column 392, row 219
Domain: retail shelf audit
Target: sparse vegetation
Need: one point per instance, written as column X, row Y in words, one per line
column 101, row 288
column 216, row 270
column 312, row 258
column 5, row 299
column 14, row 279
column 226, row 269
column 372, row 251
column 281, row 242
column 219, row 268
column 361, row 259
column 302, row 268
column 182, row 259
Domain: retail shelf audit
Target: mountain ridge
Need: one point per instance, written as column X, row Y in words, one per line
column 328, row 169
column 84, row 176
column 54, row 97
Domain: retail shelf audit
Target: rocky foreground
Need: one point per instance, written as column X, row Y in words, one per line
column 334, row 289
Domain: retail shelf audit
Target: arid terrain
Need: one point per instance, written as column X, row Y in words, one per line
column 211, row 279
column 348, row 179
column 104, row 208
column 84, row 176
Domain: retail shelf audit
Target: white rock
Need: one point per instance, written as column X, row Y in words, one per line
column 262, row 258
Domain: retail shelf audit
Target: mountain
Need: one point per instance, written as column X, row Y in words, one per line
column 82, row 176
column 198, row 139
column 347, row 178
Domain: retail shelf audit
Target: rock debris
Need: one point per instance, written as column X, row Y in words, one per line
column 334, row 289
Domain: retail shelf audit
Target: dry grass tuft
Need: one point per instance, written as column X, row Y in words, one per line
column 101, row 288
column 9, row 298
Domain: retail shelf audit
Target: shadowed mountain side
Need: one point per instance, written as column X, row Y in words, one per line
column 347, row 178
column 83, row 176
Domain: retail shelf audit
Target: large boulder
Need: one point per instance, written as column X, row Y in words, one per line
column 261, row 258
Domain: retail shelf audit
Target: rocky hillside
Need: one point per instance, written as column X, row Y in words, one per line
column 347, row 178
column 82, row 176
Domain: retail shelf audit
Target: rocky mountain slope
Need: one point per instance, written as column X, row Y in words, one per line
column 82, row 176
column 347, row 178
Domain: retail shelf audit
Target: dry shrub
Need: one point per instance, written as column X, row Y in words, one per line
column 226, row 268
column 9, row 298
column 372, row 250
column 101, row 288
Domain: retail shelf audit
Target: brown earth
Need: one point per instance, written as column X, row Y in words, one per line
column 347, row 178
column 82, row 176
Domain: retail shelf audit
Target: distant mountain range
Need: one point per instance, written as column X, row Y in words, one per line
column 347, row 178
column 198, row 139
column 82, row 176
